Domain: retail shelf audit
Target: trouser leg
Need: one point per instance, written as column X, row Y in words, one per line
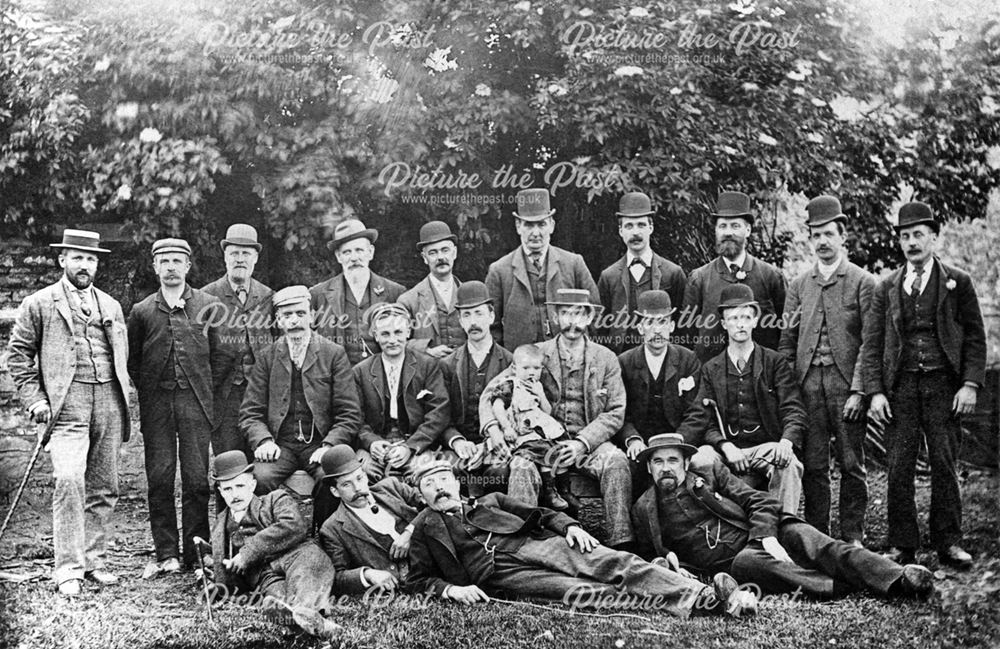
column 160, row 454
column 68, row 447
column 102, row 469
column 902, row 444
column 194, row 433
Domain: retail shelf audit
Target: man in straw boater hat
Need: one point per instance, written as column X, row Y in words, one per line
column 404, row 401
column 67, row 356
column 244, row 333
column 733, row 224
column 340, row 302
column 301, row 398
column 749, row 407
column 827, row 308
column 709, row 521
column 467, row 370
column 174, row 360
column 261, row 544
column 368, row 536
column 521, row 281
column 467, row 550
column 661, row 381
column 924, row 360
column 589, row 403
column 437, row 329
column 640, row 270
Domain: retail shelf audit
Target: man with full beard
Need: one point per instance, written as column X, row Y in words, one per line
column 733, row 225
column 436, row 327
column 68, row 352
column 713, row 522
column 591, row 407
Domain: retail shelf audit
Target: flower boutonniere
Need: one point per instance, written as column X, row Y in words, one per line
column 180, row 303
column 378, row 290
column 424, row 393
column 950, row 284
column 603, row 392
column 685, row 384
column 741, row 275
column 699, row 482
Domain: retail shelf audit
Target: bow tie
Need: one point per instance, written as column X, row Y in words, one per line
column 637, row 262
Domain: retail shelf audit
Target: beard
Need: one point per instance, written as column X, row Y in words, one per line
column 667, row 483
column 81, row 279
column 729, row 247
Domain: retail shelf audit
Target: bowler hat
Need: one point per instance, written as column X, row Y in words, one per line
column 430, row 468
column 337, row 461
column 241, row 234
column 533, row 205
column 163, row 246
column 230, row 464
column 472, row 294
column 80, row 240
column 384, row 310
column 651, row 304
column 822, row 210
column 290, row 295
column 573, row 297
column 735, row 296
column 349, row 230
column 666, row 440
column 733, row 205
column 917, row 213
column 633, row 205
column 433, row 232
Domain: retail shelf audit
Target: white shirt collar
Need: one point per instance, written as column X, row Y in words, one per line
column 655, row 363
column 646, row 257
column 477, row 355
column 298, row 357
column 386, row 361
column 734, row 358
column 911, row 274
column 527, row 253
column 827, row 270
column 444, row 289
column 72, row 290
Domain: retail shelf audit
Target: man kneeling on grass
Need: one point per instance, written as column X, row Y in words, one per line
column 264, row 545
column 462, row 550
column 713, row 522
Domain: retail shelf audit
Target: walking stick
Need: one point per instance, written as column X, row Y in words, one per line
column 718, row 415
column 198, row 542
column 42, row 441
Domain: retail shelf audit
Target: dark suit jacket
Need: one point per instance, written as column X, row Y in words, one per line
column 847, row 296
column 420, row 302
column 352, row 546
column 434, row 561
column 783, row 415
column 283, row 529
column 680, row 363
column 613, row 287
column 702, row 297
column 507, row 279
column 719, row 492
column 149, row 345
column 456, row 374
column 329, row 311
column 253, row 317
column 425, row 398
column 326, row 382
column 959, row 324
column 42, row 355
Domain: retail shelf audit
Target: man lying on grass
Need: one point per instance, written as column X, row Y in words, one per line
column 714, row 522
column 462, row 550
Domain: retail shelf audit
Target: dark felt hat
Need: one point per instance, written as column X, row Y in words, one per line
column 737, row 295
column 733, row 205
column 634, row 205
column 653, row 304
column 472, row 294
column 230, row 464
column 822, row 210
column 433, row 232
column 349, row 230
column 241, row 234
column 337, row 461
column 533, row 205
column 917, row 213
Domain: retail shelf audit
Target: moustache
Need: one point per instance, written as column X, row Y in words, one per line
column 443, row 263
column 474, row 329
column 636, row 239
column 442, row 495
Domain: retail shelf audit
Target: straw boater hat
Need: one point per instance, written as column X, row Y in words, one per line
column 666, row 440
column 80, row 240
column 573, row 297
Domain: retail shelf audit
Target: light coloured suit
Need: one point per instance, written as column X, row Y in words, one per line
column 88, row 421
column 427, row 327
column 517, row 318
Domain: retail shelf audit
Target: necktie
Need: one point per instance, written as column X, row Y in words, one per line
column 741, row 365
column 536, row 261
column 733, row 268
column 393, row 389
column 241, row 295
column 637, row 262
column 918, row 273
column 84, row 304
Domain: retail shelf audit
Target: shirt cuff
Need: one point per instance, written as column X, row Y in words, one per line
column 585, row 443
column 970, row 384
column 456, row 438
column 364, row 581
column 36, row 406
column 630, row 438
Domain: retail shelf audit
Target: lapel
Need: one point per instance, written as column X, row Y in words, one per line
column 518, row 269
column 376, row 288
column 427, row 303
column 376, row 375
column 438, row 530
column 409, row 369
column 655, row 272
column 351, row 524
column 312, row 353
column 639, row 366
column 61, row 301
column 652, row 519
column 552, row 362
column 335, row 293
column 942, row 286
column 462, row 371
column 624, row 271
column 896, row 297
column 255, row 293
column 670, row 364
column 285, row 358
column 553, row 269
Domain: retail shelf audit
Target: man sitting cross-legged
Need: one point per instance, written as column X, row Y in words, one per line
column 714, row 522
column 262, row 544
column 368, row 536
column 462, row 550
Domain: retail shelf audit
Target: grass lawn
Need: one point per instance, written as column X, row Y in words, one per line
column 165, row 612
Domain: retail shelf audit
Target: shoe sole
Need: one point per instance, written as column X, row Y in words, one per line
column 918, row 580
